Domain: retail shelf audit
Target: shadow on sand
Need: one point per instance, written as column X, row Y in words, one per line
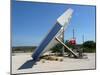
column 27, row 64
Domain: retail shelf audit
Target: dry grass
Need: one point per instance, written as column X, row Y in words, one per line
column 52, row 58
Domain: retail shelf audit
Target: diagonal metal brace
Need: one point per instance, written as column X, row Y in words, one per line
column 67, row 47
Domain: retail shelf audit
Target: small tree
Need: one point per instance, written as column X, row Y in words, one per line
column 57, row 49
column 89, row 46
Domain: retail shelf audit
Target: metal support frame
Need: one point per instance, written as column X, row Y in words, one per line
column 75, row 55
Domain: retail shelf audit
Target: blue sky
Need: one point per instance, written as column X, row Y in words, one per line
column 31, row 21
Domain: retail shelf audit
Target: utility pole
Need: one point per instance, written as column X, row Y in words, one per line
column 83, row 38
column 73, row 34
column 74, row 39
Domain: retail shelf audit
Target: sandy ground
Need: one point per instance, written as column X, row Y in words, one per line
column 67, row 64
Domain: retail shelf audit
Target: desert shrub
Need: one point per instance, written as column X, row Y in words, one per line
column 57, row 49
column 89, row 46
